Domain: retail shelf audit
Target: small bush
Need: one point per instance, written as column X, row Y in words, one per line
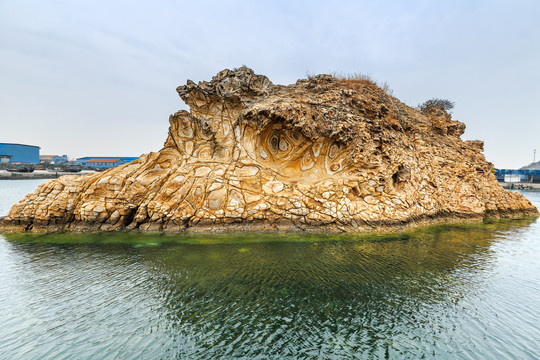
column 386, row 88
column 310, row 75
column 353, row 78
column 444, row 104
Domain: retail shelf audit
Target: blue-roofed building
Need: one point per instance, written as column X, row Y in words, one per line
column 103, row 162
column 19, row 153
column 518, row 176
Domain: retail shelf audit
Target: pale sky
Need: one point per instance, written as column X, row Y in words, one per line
column 96, row 77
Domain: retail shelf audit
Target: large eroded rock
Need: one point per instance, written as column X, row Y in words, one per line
column 321, row 154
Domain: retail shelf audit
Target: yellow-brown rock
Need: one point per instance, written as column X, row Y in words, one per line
column 322, row 154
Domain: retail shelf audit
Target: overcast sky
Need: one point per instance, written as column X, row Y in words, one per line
column 98, row 77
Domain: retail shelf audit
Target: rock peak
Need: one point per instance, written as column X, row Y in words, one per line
column 236, row 83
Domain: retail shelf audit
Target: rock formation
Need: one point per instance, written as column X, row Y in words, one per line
column 323, row 154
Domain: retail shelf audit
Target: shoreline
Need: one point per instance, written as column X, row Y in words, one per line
column 39, row 174
column 378, row 227
column 520, row 186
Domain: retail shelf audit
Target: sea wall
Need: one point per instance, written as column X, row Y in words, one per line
column 37, row 174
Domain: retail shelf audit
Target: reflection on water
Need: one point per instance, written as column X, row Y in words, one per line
column 469, row 291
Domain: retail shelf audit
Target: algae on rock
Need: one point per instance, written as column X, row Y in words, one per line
column 321, row 154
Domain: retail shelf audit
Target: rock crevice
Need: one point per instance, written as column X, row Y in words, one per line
column 322, row 154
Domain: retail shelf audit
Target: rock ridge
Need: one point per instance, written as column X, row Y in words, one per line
column 323, row 154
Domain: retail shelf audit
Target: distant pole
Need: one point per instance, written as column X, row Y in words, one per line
column 534, row 156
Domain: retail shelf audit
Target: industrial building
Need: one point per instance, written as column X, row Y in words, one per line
column 53, row 159
column 19, row 153
column 97, row 162
column 518, row 176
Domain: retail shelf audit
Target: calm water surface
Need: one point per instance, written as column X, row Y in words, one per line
column 448, row 292
column 11, row 191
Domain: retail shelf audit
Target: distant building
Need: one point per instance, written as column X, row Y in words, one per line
column 103, row 162
column 19, row 153
column 53, row 159
column 4, row 159
column 517, row 176
column 46, row 159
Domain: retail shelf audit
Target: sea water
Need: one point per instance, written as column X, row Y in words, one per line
column 469, row 291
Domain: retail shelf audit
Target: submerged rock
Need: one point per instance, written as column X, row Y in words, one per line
column 322, row 154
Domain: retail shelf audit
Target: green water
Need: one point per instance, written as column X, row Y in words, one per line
column 447, row 292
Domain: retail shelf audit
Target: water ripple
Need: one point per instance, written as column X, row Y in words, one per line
column 449, row 292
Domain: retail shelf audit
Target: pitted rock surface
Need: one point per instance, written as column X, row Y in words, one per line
column 323, row 154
